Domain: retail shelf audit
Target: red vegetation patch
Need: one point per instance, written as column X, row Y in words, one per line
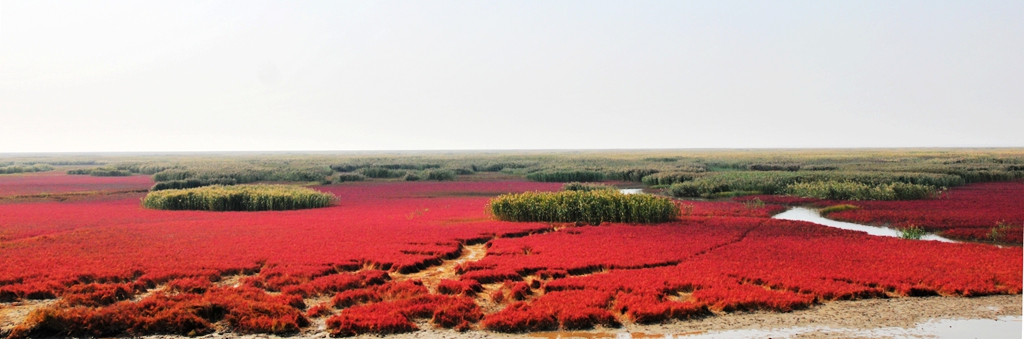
column 580, row 250
column 782, row 265
column 93, row 295
column 459, row 287
column 563, row 309
column 987, row 211
column 58, row 182
column 723, row 256
column 246, row 310
column 120, row 241
column 391, row 308
column 750, row 207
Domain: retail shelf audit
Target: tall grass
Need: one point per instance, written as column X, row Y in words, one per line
column 239, row 198
column 836, row 208
column 593, row 207
column 101, row 172
column 585, row 187
column 778, row 182
column 440, row 174
column 566, row 176
column 11, row 169
column 722, row 166
column 773, row 167
column 630, row 174
column 246, row 174
column 382, row 173
column 668, row 178
column 848, row 190
column 191, row 183
column 346, row 177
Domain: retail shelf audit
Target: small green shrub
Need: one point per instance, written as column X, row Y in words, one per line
column 998, row 233
column 411, row 177
column 593, row 207
column 912, row 232
column 238, row 198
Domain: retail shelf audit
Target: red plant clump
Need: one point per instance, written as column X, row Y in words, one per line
column 560, row 309
column 190, row 285
column 58, row 182
column 245, row 309
column 986, row 211
column 93, row 295
column 459, row 287
column 391, row 307
column 318, row 310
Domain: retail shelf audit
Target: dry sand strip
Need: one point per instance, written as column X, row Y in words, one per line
column 825, row 321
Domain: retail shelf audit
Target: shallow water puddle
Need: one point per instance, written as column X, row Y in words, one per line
column 810, row 215
column 1002, row 327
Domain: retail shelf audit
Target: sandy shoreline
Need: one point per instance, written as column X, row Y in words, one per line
column 823, row 321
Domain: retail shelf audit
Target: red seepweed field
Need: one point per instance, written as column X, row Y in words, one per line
column 110, row 267
column 53, row 182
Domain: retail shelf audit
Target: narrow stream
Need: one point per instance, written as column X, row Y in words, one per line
column 810, row 215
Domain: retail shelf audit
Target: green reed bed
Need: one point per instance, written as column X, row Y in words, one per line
column 347, row 177
column 593, row 207
column 11, row 169
column 101, row 172
column 779, row 182
column 239, row 198
column 191, row 183
column 848, row 190
column 668, row 178
column 569, row 175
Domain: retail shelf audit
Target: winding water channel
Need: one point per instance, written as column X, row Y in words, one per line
column 810, row 215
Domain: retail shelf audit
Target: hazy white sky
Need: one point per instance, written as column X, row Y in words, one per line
column 333, row 75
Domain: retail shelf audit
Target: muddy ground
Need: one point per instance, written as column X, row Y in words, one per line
column 840, row 319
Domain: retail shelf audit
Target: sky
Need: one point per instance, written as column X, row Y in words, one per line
column 158, row 76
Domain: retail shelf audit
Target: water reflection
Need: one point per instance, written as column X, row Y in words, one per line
column 999, row 328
